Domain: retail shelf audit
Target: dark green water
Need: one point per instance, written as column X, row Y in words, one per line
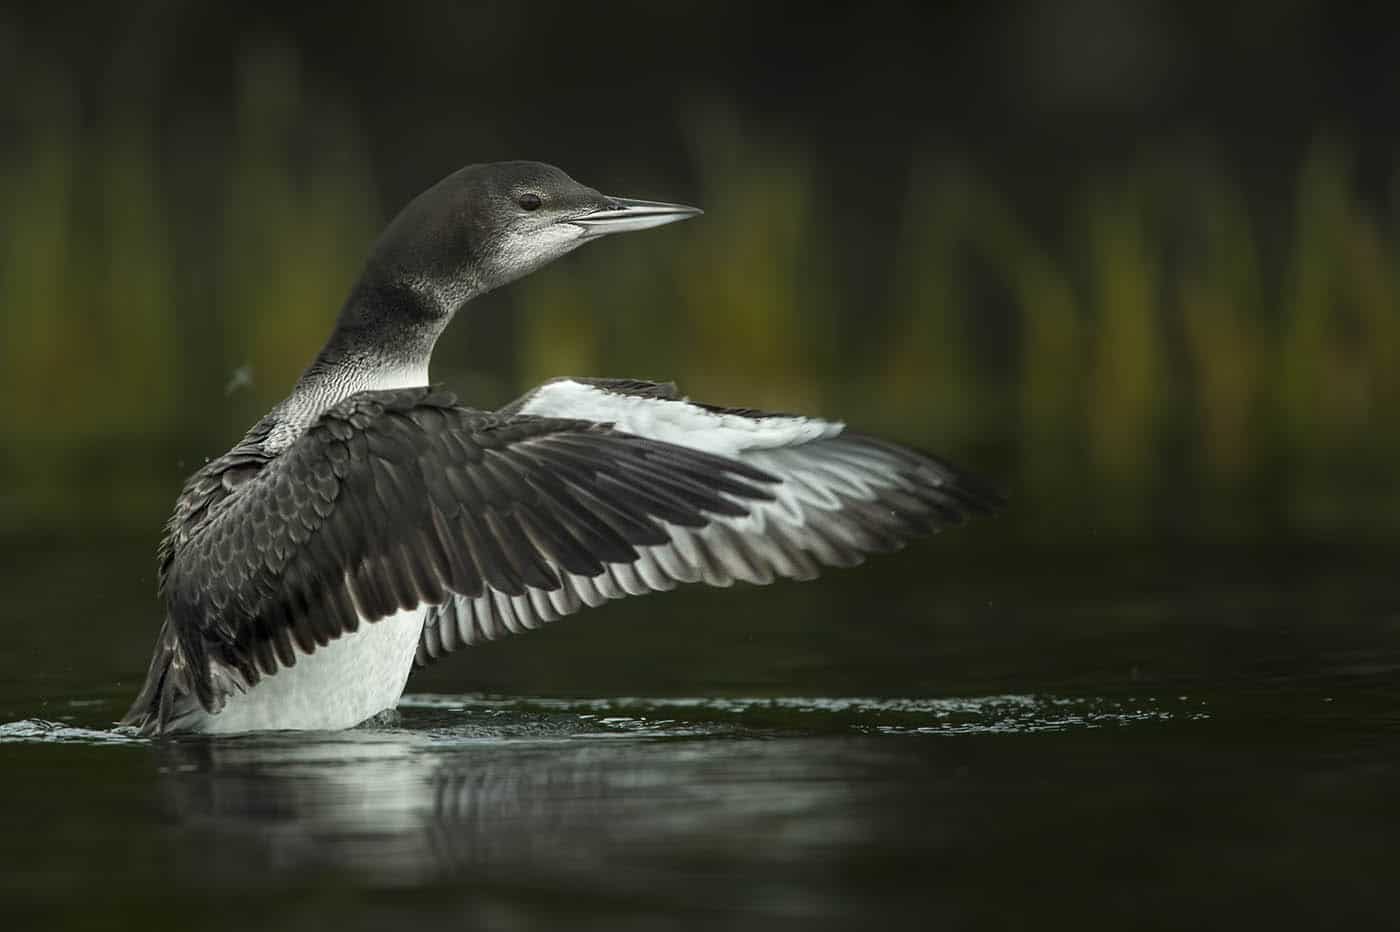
column 1125, row 739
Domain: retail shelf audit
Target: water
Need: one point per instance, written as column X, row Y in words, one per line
column 1133, row 741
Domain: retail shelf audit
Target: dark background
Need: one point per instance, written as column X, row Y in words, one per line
column 1135, row 264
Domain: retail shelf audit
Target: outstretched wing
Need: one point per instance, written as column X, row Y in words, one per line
column 838, row 496
column 394, row 500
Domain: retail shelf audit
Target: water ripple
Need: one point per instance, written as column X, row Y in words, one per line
column 492, row 718
column 38, row 730
column 1003, row 714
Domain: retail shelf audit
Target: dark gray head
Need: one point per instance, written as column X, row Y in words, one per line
column 486, row 225
column 477, row 229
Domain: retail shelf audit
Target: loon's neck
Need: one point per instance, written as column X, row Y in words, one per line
column 383, row 339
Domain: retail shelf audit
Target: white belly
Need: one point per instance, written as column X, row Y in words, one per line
column 352, row 678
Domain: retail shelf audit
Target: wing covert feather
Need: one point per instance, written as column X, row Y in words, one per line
column 397, row 499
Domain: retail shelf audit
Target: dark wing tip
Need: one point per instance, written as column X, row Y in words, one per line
column 961, row 494
column 976, row 496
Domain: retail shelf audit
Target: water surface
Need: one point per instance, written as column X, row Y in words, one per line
column 1218, row 751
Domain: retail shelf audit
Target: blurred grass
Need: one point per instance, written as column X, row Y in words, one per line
column 1164, row 359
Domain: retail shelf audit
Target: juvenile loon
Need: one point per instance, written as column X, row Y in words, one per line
column 369, row 522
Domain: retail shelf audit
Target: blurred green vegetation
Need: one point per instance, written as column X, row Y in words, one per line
column 1169, row 358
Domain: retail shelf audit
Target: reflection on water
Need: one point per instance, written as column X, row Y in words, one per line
column 739, row 812
column 406, row 807
column 482, row 786
column 634, row 800
column 636, row 819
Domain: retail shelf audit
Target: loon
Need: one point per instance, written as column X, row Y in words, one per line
column 369, row 523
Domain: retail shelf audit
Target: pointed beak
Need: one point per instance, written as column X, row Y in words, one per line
column 622, row 215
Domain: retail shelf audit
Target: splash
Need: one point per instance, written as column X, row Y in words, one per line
column 38, row 730
column 1002, row 714
column 480, row 717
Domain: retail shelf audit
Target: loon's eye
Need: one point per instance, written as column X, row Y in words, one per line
column 530, row 202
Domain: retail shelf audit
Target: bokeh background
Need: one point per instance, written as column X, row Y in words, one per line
column 1135, row 264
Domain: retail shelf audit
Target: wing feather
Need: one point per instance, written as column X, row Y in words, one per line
column 828, row 497
column 398, row 499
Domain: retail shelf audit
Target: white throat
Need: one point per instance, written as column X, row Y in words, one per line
column 320, row 390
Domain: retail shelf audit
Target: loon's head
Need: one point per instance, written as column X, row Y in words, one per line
column 484, row 226
column 481, row 227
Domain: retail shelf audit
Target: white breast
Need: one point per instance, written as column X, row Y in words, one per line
column 351, row 679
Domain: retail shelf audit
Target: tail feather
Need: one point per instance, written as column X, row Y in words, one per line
column 167, row 701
